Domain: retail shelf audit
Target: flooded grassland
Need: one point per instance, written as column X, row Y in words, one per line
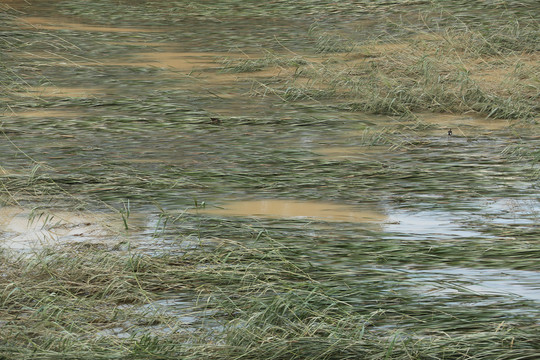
column 291, row 180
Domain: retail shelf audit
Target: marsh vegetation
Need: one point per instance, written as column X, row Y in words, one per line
column 248, row 180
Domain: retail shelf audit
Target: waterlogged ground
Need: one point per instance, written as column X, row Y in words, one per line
column 152, row 133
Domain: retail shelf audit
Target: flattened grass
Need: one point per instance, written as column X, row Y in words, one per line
column 314, row 291
column 256, row 300
column 454, row 70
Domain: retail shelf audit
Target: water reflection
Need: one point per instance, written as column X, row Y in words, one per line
column 524, row 284
column 23, row 229
column 438, row 224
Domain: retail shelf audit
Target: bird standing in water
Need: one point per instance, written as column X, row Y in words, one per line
column 449, row 132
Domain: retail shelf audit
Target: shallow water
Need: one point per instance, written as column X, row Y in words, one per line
column 57, row 23
column 127, row 109
column 293, row 209
column 157, row 121
column 507, row 282
column 434, row 224
column 23, row 229
column 55, row 91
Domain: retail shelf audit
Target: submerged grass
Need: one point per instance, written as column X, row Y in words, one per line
column 270, row 59
column 216, row 288
column 256, row 300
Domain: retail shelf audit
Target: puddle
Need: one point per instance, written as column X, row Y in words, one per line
column 524, row 284
column 512, row 211
column 22, row 229
column 186, row 61
column 463, row 125
column 440, row 224
column 155, row 55
column 173, row 60
column 354, row 152
column 42, row 23
column 183, row 308
column 55, row 91
column 178, row 312
column 293, row 209
column 43, row 113
column 142, row 44
column 340, row 152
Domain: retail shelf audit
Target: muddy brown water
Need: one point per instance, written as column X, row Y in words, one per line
column 281, row 208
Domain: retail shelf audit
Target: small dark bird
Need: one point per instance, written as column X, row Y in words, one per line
column 215, row 120
column 449, row 132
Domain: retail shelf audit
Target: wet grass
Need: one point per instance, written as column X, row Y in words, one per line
column 260, row 299
column 270, row 59
column 185, row 285
column 457, row 71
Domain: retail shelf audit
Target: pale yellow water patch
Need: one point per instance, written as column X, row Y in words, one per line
column 55, row 91
column 24, row 229
column 43, row 23
column 278, row 208
column 143, row 44
column 205, row 66
column 178, row 61
column 213, row 78
column 185, row 61
column 43, row 113
column 473, row 123
column 354, row 152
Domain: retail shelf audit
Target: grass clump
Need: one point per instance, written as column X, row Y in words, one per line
column 451, row 71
